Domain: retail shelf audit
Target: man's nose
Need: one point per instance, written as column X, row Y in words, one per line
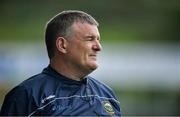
column 97, row 46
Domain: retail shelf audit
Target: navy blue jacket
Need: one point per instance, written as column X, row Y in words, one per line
column 52, row 94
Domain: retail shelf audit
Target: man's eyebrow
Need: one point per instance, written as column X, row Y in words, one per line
column 89, row 36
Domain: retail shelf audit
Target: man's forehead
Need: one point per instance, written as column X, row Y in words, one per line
column 85, row 27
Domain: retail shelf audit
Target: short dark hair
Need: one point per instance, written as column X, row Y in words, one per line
column 60, row 24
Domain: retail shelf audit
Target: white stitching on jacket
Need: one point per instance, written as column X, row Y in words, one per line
column 74, row 96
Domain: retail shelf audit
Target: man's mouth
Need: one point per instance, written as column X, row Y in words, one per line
column 94, row 56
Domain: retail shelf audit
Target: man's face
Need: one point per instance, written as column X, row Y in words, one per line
column 83, row 47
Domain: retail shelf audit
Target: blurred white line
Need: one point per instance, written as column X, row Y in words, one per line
column 123, row 65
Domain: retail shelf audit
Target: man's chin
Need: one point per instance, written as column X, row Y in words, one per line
column 93, row 66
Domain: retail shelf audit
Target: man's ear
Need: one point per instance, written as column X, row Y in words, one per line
column 61, row 44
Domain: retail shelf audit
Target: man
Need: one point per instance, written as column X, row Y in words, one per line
column 64, row 87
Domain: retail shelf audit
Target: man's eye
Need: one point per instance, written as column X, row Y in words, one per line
column 89, row 39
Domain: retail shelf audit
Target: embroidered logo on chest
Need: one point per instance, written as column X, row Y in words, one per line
column 108, row 107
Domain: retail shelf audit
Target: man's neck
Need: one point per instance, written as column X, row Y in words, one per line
column 63, row 69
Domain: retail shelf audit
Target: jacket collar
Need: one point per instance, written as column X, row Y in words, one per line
column 53, row 73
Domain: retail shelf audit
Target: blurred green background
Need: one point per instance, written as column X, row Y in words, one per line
column 141, row 48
